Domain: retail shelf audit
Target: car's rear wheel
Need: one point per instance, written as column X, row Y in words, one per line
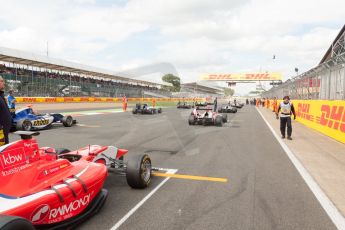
column 218, row 121
column 134, row 111
column 67, row 121
column 14, row 223
column 25, row 125
column 191, row 120
column 138, row 171
column 225, row 118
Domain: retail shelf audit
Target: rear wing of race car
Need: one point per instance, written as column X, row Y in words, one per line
column 204, row 109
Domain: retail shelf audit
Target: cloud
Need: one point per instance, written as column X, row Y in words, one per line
column 195, row 36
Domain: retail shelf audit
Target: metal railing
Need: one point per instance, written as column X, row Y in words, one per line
column 54, row 87
column 326, row 81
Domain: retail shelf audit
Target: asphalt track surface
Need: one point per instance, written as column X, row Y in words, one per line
column 264, row 190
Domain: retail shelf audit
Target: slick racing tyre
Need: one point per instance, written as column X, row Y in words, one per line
column 218, row 121
column 138, row 171
column 191, row 120
column 14, row 223
column 25, row 125
column 67, row 121
column 225, row 118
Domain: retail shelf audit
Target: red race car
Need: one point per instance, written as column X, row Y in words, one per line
column 48, row 188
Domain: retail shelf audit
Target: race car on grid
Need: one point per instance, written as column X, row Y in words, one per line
column 145, row 109
column 205, row 116
column 203, row 104
column 237, row 105
column 25, row 119
column 227, row 109
column 42, row 189
column 184, row 105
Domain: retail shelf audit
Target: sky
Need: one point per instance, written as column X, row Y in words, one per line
column 194, row 36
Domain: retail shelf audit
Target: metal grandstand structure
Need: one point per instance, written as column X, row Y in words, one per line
column 36, row 82
column 325, row 81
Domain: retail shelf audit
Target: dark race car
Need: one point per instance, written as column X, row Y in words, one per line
column 25, row 119
column 145, row 109
column 203, row 104
column 205, row 116
column 184, row 105
column 237, row 105
column 227, row 109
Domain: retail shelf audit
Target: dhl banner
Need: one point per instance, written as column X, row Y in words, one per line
column 98, row 99
column 327, row 117
column 275, row 76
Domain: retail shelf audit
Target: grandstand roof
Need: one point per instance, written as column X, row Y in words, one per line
column 198, row 87
column 335, row 47
column 35, row 60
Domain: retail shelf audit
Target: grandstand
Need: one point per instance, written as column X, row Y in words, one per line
column 196, row 89
column 36, row 75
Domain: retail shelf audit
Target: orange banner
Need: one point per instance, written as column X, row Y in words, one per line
column 243, row 77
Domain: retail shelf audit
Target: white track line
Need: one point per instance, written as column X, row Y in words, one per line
column 136, row 207
column 332, row 211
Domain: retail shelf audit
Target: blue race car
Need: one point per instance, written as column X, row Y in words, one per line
column 25, row 119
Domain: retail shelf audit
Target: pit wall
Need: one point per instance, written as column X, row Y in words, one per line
column 98, row 99
column 327, row 117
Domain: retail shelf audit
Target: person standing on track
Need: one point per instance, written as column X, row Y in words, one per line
column 5, row 116
column 274, row 104
column 124, row 103
column 215, row 104
column 153, row 102
column 11, row 101
column 287, row 109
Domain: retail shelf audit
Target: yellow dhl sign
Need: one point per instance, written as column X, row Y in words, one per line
column 275, row 76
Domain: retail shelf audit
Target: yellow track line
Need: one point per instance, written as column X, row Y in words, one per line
column 189, row 177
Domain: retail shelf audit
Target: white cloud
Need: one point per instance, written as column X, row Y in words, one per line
column 196, row 36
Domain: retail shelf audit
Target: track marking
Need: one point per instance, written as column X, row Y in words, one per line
column 190, row 177
column 331, row 210
column 88, row 126
column 136, row 207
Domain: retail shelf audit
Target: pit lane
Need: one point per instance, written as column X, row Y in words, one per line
column 264, row 191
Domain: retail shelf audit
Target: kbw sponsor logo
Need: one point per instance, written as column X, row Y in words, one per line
column 8, row 159
column 333, row 117
column 68, row 208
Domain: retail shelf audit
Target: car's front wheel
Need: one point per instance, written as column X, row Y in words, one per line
column 25, row 125
column 14, row 223
column 138, row 171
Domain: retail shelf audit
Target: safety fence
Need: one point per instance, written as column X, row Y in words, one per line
column 99, row 99
column 327, row 117
column 325, row 82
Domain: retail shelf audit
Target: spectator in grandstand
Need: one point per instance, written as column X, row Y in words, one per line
column 11, row 101
column 5, row 115
column 287, row 109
